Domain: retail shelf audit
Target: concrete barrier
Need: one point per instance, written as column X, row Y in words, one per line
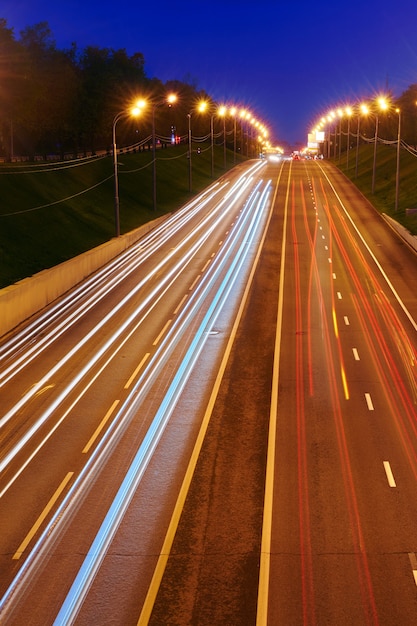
column 20, row 301
column 402, row 231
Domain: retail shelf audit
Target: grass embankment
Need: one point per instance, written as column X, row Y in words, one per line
column 383, row 197
column 51, row 212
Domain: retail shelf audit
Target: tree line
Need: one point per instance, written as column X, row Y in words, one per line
column 60, row 102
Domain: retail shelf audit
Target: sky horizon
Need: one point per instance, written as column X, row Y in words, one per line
column 288, row 62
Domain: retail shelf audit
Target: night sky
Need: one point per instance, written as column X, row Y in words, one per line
column 289, row 62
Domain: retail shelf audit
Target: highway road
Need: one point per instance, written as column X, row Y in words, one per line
column 220, row 426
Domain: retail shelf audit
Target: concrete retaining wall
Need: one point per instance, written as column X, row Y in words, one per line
column 25, row 298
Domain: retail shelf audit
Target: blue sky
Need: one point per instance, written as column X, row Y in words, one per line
column 289, row 62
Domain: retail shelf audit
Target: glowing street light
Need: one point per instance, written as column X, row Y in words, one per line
column 170, row 99
column 243, row 114
column 397, row 172
column 348, row 112
column 201, row 108
column 133, row 112
column 383, row 106
column 364, row 110
column 222, row 113
column 340, row 115
column 233, row 113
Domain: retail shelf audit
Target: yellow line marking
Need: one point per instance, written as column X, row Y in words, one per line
column 180, row 304
column 157, row 340
column 139, row 367
column 173, row 525
column 335, row 326
column 195, row 282
column 100, row 427
column 41, row 517
column 344, row 382
column 206, row 266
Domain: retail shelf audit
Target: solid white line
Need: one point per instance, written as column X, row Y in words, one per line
column 369, row 401
column 390, row 475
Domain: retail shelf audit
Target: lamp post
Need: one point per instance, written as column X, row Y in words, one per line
column 202, row 107
column 170, row 99
column 374, row 160
column 364, row 110
column 397, row 173
column 332, row 117
column 243, row 126
column 340, row 114
column 348, row 112
column 133, row 112
column 190, row 167
column 212, row 144
column 233, row 112
column 222, row 112
column 382, row 103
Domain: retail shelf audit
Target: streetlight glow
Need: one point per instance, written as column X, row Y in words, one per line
column 133, row 112
column 382, row 103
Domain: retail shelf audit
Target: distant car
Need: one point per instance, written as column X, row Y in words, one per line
column 295, row 157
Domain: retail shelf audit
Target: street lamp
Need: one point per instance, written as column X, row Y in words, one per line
column 201, row 108
column 397, row 174
column 348, row 111
column 190, row 167
column 170, row 99
column 134, row 112
column 222, row 112
column 242, row 116
column 340, row 114
column 331, row 118
column 364, row 110
column 383, row 105
column 233, row 112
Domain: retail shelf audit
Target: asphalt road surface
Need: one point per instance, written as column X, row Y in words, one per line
column 221, row 429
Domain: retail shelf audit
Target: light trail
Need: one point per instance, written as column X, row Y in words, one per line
column 97, row 287
column 32, row 340
column 206, row 226
column 105, row 535
column 245, row 232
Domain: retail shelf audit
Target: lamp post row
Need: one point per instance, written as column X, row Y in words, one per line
column 170, row 99
column 364, row 110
